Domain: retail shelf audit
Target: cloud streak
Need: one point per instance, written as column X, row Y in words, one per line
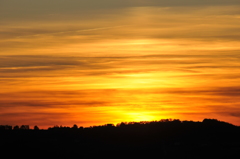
column 111, row 61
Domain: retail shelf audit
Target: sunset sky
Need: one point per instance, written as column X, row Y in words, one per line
column 65, row 62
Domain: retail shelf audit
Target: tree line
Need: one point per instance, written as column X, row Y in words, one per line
column 166, row 139
column 214, row 122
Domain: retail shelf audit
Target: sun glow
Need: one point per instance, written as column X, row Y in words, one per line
column 140, row 116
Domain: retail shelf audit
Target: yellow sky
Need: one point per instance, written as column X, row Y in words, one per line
column 120, row 63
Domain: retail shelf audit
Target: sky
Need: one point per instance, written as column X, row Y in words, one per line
column 65, row 62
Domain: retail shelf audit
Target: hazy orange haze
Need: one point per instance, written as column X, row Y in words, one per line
column 91, row 63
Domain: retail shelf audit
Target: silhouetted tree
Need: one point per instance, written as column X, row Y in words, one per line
column 35, row 127
column 2, row 127
column 24, row 127
column 5, row 127
column 74, row 126
column 122, row 124
column 81, row 128
column 109, row 125
column 16, row 127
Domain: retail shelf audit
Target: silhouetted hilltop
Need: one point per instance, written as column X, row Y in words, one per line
column 165, row 139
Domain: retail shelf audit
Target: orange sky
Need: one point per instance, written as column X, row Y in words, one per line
column 85, row 64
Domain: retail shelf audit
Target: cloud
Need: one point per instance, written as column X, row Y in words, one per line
column 31, row 66
column 61, row 5
column 31, row 61
column 39, row 103
column 48, row 100
column 197, row 64
column 60, row 9
column 235, row 114
column 228, row 91
column 181, row 28
column 20, row 65
column 209, row 91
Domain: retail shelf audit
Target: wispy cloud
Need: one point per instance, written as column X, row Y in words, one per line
column 95, row 61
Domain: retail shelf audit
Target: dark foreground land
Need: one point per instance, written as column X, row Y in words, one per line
column 165, row 139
